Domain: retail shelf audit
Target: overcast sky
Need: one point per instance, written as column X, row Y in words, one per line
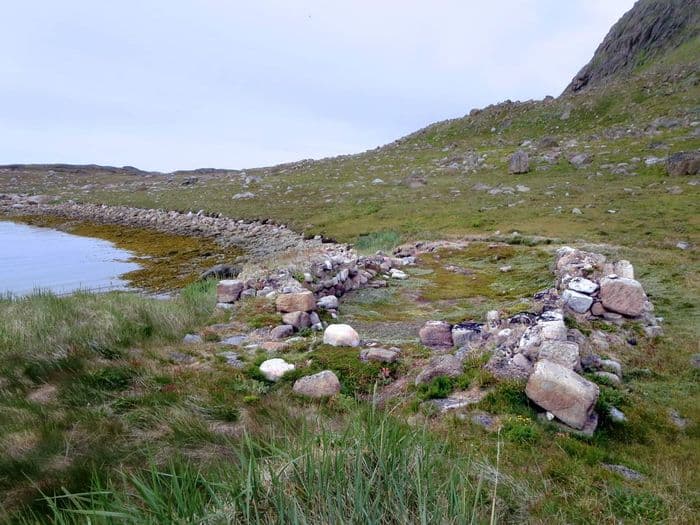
column 175, row 84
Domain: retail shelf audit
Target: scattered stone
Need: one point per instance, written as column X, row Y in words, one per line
column 485, row 420
column 234, row 340
column 683, row 163
column 341, row 335
column 682, row 245
column 680, row 422
column 547, row 142
column 191, row 339
column 298, row 320
column 578, row 302
column 580, row 159
column 232, row 359
column 563, row 392
column 383, row 355
column 616, row 415
column 323, row 384
column 622, row 295
column 440, row 366
column 295, row 302
column 505, row 269
column 229, row 290
column 519, row 162
column 274, row 369
column 625, row 472
column 436, row 334
column 282, row 332
column 576, row 211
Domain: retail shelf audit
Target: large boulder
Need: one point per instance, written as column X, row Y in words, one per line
column 622, row 295
column 436, row 334
column 519, row 162
column 440, row 366
column 341, row 335
column 229, row 290
column 683, row 163
column 323, row 384
column 563, row 392
column 274, row 369
column 296, row 302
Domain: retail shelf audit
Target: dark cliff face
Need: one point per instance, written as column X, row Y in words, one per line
column 646, row 31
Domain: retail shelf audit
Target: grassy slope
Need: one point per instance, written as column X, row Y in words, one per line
column 144, row 405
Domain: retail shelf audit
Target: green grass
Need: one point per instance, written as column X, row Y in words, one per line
column 369, row 470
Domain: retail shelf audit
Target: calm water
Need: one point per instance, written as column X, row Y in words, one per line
column 41, row 258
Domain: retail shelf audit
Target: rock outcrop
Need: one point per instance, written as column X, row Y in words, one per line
column 646, row 31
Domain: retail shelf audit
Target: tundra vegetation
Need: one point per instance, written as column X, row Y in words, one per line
column 109, row 416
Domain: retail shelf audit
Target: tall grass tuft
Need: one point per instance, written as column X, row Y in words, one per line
column 373, row 470
column 44, row 330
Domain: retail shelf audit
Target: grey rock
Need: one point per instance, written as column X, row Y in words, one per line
column 440, row 366
column 323, row 384
column 192, row 339
column 563, row 392
column 519, row 162
column 298, row 320
column 436, row 334
column 282, row 332
column 229, row 290
column 234, row 340
column 616, row 415
column 683, row 163
column 565, row 353
column 382, row 355
column 329, row 302
column 578, row 302
column 625, row 472
column 582, row 285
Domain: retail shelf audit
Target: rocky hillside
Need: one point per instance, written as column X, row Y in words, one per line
column 649, row 29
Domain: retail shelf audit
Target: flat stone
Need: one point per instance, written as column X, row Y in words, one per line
column 383, row 355
column 234, row 340
column 567, row 395
column 582, row 285
column 323, row 384
column 625, row 472
column 295, row 302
